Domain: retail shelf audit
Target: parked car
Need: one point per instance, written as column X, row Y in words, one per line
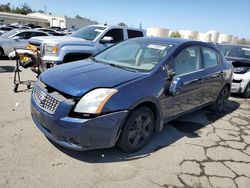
column 239, row 54
column 125, row 93
column 17, row 39
column 51, row 31
column 83, row 43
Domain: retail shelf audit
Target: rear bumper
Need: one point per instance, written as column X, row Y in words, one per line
column 75, row 133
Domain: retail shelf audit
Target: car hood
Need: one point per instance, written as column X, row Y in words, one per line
column 3, row 39
column 59, row 40
column 239, row 62
column 77, row 78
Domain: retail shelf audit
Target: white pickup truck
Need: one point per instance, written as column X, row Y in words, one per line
column 83, row 43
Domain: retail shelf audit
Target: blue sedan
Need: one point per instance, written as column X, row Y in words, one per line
column 124, row 94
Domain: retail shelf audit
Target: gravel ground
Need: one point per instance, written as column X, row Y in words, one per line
column 201, row 149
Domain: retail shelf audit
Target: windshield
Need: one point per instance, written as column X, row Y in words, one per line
column 139, row 55
column 9, row 33
column 236, row 51
column 88, row 32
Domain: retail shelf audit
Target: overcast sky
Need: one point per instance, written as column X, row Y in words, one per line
column 225, row 16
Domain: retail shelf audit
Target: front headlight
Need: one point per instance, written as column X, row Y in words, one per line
column 50, row 49
column 93, row 102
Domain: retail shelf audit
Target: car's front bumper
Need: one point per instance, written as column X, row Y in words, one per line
column 236, row 88
column 240, row 82
column 77, row 133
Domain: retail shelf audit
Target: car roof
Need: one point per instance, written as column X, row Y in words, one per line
column 234, row 45
column 168, row 40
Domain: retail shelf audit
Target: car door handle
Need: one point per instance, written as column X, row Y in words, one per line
column 217, row 74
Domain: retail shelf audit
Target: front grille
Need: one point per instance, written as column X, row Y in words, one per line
column 44, row 100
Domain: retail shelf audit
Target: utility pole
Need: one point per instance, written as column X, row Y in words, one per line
column 45, row 8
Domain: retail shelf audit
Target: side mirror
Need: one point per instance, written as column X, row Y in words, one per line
column 176, row 86
column 16, row 38
column 106, row 40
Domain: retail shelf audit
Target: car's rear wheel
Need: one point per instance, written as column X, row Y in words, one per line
column 221, row 101
column 246, row 93
column 137, row 130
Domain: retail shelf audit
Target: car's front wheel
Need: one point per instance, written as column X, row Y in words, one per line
column 246, row 93
column 137, row 130
column 219, row 104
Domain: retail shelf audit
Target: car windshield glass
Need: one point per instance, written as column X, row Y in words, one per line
column 236, row 51
column 9, row 33
column 138, row 55
column 88, row 32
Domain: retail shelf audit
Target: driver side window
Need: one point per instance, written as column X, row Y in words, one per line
column 25, row 35
column 187, row 60
column 116, row 34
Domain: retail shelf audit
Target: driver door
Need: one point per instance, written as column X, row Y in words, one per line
column 188, row 70
column 117, row 36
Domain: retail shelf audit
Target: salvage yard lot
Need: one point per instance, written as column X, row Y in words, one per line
column 201, row 149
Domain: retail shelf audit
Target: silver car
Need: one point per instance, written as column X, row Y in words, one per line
column 17, row 39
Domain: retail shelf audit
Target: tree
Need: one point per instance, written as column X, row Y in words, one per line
column 24, row 9
column 175, row 35
column 242, row 41
column 121, row 24
column 5, row 7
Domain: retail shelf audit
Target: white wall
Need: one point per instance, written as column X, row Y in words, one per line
column 214, row 36
column 205, row 37
column 224, row 38
column 157, row 32
column 188, row 34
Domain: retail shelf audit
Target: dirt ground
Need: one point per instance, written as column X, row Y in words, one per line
column 201, row 149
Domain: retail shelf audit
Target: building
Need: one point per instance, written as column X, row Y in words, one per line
column 188, row 34
column 54, row 21
column 224, row 38
column 9, row 18
column 44, row 20
column 157, row 32
column 63, row 21
column 206, row 37
column 214, row 36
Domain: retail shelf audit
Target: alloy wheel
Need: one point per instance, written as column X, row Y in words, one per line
column 140, row 130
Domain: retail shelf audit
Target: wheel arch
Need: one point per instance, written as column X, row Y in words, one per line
column 1, row 50
column 154, row 106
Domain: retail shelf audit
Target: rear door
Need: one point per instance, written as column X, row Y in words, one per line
column 187, row 65
column 212, row 66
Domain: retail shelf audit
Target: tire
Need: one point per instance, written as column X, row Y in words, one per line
column 246, row 93
column 1, row 52
column 137, row 130
column 221, row 101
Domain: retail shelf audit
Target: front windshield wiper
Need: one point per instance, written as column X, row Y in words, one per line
column 122, row 67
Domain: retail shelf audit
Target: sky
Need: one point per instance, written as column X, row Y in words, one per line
column 225, row 16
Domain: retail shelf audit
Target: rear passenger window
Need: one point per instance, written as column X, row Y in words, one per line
column 133, row 34
column 210, row 57
column 187, row 61
column 116, row 34
column 25, row 35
